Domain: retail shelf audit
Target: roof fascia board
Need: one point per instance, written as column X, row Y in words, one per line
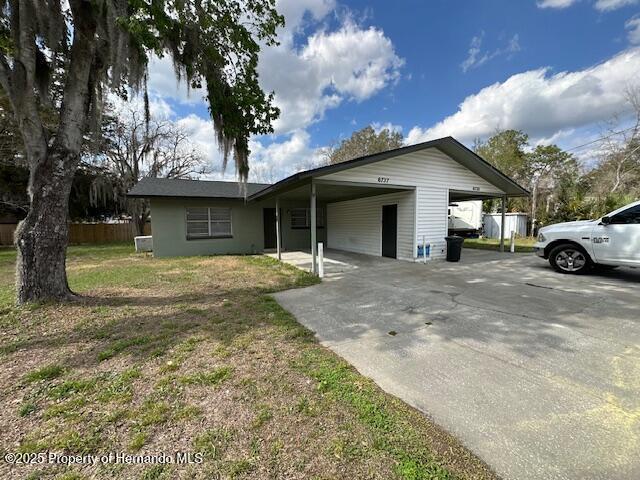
column 197, row 197
column 381, row 186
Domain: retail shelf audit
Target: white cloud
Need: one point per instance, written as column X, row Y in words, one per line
column 279, row 160
column 555, row 3
column 163, row 83
column 357, row 62
column 315, row 67
column 633, row 25
column 202, row 135
column 350, row 63
column 608, row 5
column 378, row 127
column 541, row 104
column 159, row 109
column 326, row 69
column 476, row 57
column 601, row 5
column 270, row 161
column 295, row 12
column 473, row 54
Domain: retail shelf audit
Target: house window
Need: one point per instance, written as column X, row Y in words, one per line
column 208, row 222
column 301, row 218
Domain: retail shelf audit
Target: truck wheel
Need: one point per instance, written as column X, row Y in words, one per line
column 568, row 258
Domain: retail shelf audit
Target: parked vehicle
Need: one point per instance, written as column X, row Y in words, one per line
column 609, row 242
column 465, row 218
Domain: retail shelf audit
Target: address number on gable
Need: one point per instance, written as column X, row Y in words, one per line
column 383, row 179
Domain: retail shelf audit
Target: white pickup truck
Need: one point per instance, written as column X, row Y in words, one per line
column 611, row 241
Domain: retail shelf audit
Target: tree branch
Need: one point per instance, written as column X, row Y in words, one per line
column 76, row 98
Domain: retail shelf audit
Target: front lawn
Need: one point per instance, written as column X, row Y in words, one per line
column 523, row 244
column 192, row 355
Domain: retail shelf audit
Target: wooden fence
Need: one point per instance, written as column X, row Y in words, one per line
column 85, row 232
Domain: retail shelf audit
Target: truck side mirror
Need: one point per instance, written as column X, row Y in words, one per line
column 605, row 220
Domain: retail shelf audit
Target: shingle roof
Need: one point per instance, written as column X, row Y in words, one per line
column 171, row 187
column 162, row 187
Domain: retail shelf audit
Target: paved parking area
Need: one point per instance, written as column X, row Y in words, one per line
column 538, row 373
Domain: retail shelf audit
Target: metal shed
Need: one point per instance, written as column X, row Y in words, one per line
column 516, row 222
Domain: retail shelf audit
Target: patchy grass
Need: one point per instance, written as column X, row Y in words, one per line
column 523, row 244
column 214, row 377
column 194, row 355
column 48, row 372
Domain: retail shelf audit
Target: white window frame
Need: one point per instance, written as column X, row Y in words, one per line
column 209, row 234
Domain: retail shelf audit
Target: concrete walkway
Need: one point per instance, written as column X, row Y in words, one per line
column 536, row 372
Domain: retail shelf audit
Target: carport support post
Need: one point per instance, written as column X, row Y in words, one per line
column 314, row 246
column 503, row 222
column 278, row 249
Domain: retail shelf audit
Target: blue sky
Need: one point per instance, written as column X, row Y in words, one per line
column 557, row 69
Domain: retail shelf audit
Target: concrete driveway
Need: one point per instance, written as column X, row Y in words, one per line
column 536, row 372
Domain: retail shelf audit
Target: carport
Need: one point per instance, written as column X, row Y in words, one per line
column 319, row 193
column 389, row 203
column 462, row 196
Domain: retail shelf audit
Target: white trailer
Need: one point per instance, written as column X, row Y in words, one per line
column 465, row 218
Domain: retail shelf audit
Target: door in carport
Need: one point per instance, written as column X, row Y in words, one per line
column 389, row 230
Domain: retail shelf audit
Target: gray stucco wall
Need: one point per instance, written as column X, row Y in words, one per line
column 168, row 228
column 298, row 239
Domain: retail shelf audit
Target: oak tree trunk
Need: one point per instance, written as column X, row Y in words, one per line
column 42, row 237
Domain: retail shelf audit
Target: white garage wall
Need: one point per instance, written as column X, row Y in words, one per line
column 356, row 225
column 433, row 173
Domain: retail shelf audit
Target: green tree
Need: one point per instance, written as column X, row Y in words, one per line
column 549, row 171
column 66, row 55
column 364, row 142
column 506, row 150
column 546, row 171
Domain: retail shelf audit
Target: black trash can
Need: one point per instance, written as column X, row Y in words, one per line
column 454, row 248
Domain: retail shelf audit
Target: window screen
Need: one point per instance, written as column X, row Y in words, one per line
column 208, row 222
column 301, row 218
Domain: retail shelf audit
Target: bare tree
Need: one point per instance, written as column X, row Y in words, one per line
column 137, row 148
column 265, row 173
column 618, row 171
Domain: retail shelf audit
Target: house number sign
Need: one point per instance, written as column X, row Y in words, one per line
column 383, row 179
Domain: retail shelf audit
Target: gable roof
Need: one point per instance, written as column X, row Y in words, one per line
column 172, row 187
column 448, row 145
column 164, row 187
